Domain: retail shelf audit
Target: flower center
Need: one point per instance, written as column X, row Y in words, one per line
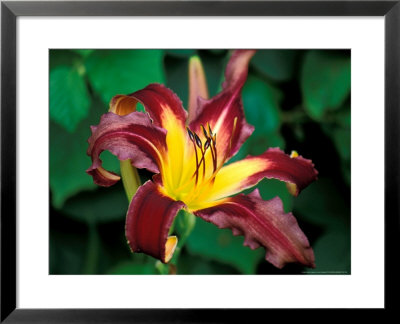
column 200, row 150
column 200, row 171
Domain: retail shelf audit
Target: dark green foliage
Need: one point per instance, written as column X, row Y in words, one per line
column 113, row 72
column 325, row 81
column 296, row 99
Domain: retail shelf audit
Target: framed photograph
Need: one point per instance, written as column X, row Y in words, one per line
column 174, row 155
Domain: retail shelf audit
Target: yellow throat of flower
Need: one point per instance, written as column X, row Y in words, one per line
column 199, row 169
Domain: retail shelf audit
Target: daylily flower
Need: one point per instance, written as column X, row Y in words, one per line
column 187, row 152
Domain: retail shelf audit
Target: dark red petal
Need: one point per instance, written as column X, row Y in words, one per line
column 222, row 110
column 262, row 223
column 132, row 136
column 103, row 177
column 297, row 171
column 236, row 70
column 161, row 102
column 233, row 178
column 149, row 217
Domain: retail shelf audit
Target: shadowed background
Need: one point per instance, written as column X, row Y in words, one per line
column 296, row 99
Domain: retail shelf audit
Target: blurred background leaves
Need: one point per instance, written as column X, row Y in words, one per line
column 296, row 99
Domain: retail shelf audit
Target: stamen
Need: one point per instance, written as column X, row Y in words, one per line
column 203, row 151
column 198, row 141
column 212, row 178
column 214, row 140
column 205, row 132
column 191, row 136
column 197, row 161
column 204, row 162
column 209, row 143
column 206, row 144
column 213, row 155
column 209, row 130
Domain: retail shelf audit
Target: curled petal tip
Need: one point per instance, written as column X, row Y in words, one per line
column 102, row 177
column 170, row 247
column 131, row 136
column 148, row 221
column 122, row 105
column 292, row 188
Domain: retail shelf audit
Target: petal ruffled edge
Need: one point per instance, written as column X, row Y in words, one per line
column 262, row 223
column 149, row 218
column 133, row 137
column 295, row 170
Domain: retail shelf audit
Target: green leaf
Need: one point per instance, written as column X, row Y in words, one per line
column 69, row 97
column 341, row 138
column 130, row 267
column 340, row 133
column 177, row 77
column 190, row 264
column 99, row 206
column 325, row 81
column 214, row 67
column 217, row 51
column 343, row 118
column 93, row 250
column 256, row 145
column 68, row 162
column 220, row 245
column 181, row 53
column 278, row 65
column 67, row 253
column 261, row 103
column 68, row 159
column 84, row 52
column 113, row 72
column 324, row 205
column 62, row 57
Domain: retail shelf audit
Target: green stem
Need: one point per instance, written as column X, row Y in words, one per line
column 130, row 178
column 93, row 250
column 183, row 225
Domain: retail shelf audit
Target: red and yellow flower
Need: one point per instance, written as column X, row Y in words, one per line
column 187, row 151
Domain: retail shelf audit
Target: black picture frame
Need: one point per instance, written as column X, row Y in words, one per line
column 10, row 10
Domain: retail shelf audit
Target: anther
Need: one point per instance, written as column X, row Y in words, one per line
column 191, row 136
column 209, row 130
column 207, row 144
column 205, row 132
column 198, row 140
